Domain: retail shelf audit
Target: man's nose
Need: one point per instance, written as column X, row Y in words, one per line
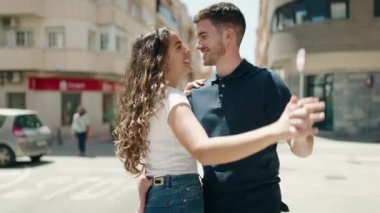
column 198, row 45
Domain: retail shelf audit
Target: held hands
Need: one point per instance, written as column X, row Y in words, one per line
column 299, row 116
column 194, row 84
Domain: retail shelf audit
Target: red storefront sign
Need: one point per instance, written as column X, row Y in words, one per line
column 71, row 84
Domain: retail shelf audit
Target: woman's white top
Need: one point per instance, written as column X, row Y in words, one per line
column 166, row 155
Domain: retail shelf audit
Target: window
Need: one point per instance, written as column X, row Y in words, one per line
column 3, row 38
column 286, row 18
column 377, row 8
column 135, row 13
column 24, row 38
column 28, row 121
column 91, row 40
column 302, row 11
column 322, row 86
column 108, row 109
column 69, row 104
column 318, row 10
column 104, row 41
column 121, row 43
column 55, row 37
column 339, row 9
column 16, row 100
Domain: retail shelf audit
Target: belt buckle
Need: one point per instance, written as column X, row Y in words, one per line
column 158, row 181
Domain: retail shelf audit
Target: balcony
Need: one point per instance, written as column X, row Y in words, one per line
column 21, row 58
column 61, row 60
column 22, row 7
column 322, row 38
column 108, row 14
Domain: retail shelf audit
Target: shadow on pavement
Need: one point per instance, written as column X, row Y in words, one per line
column 96, row 147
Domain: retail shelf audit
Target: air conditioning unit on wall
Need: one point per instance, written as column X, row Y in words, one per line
column 8, row 22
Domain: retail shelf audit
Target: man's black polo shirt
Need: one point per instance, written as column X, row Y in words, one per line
column 248, row 98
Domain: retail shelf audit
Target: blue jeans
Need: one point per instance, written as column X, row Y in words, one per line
column 179, row 193
column 82, row 141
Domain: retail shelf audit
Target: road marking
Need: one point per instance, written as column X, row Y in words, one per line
column 70, row 187
column 121, row 192
column 98, row 190
column 24, row 174
column 7, row 174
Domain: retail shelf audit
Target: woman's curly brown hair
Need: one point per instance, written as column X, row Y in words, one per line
column 144, row 88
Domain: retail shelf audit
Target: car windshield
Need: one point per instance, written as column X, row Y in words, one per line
column 28, row 121
column 2, row 120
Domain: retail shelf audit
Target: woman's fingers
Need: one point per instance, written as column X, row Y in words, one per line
column 194, row 84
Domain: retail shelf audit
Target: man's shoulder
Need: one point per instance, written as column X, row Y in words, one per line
column 271, row 75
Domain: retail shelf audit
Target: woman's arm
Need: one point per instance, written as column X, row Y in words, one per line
column 303, row 146
column 231, row 148
column 143, row 185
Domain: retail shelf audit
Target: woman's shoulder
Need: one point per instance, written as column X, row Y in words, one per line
column 175, row 96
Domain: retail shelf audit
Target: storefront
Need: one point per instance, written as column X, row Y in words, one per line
column 352, row 103
column 56, row 98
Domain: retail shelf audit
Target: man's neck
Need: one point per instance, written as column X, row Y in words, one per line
column 226, row 65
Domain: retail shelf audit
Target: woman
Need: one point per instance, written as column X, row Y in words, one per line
column 157, row 132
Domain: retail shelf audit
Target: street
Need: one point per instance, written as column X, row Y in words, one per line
column 339, row 177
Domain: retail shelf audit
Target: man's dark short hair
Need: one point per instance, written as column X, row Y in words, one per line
column 224, row 15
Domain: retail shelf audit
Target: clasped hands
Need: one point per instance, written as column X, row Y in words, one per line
column 299, row 117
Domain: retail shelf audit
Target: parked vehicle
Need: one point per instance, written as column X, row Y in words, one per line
column 22, row 133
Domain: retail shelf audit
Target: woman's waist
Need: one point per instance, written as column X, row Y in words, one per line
column 176, row 180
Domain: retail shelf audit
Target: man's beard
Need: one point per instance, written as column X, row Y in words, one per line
column 213, row 56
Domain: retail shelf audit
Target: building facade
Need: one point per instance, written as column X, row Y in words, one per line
column 58, row 54
column 342, row 66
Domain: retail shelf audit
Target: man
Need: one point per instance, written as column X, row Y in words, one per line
column 239, row 98
column 81, row 128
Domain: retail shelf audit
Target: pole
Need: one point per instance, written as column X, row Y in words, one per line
column 301, row 85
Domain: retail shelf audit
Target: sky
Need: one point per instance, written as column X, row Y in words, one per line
column 250, row 9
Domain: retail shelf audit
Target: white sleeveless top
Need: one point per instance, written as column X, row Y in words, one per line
column 166, row 155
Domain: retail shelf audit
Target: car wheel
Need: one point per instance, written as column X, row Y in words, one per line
column 35, row 158
column 7, row 156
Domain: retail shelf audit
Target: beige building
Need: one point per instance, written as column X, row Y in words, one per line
column 342, row 43
column 57, row 54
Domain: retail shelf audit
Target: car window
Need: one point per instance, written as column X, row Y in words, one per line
column 2, row 120
column 28, row 121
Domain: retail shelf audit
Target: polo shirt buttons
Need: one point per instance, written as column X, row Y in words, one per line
column 223, row 85
column 221, row 95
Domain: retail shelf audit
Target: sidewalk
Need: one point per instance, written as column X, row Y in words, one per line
column 339, row 177
column 95, row 146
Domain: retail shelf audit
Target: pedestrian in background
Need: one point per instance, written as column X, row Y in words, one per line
column 81, row 128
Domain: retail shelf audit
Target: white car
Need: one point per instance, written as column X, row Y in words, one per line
column 22, row 133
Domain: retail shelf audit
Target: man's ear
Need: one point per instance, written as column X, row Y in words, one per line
column 229, row 35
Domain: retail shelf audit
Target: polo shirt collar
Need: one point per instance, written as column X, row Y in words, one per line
column 240, row 70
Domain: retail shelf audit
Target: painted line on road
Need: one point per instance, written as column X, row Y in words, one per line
column 98, row 190
column 24, row 174
column 15, row 173
column 122, row 192
column 70, row 187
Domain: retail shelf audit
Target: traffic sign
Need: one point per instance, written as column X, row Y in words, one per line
column 300, row 60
